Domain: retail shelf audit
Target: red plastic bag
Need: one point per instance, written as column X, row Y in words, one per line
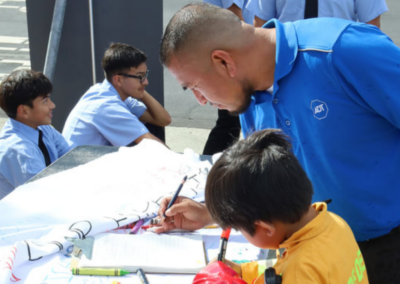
column 218, row 273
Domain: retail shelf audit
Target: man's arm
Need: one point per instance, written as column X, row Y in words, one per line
column 376, row 22
column 155, row 113
column 146, row 136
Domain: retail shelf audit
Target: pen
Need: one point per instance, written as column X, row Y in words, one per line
column 174, row 198
column 99, row 271
column 224, row 244
column 137, row 226
column 142, row 276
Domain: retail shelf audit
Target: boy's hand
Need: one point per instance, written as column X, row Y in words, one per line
column 185, row 214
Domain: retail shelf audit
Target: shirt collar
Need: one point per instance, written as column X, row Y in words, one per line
column 319, row 224
column 108, row 86
column 27, row 131
column 286, row 49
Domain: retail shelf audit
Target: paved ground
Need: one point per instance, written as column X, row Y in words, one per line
column 191, row 122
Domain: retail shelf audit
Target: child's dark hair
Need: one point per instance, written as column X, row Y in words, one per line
column 119, row 57
column 258, row 179
column 21, row 87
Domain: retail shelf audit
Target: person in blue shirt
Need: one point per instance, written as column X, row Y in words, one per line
column 335, row 86
column 366, row 11
column 28, row 143
column 112, row 113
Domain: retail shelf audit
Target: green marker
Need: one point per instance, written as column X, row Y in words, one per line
column 99, row 271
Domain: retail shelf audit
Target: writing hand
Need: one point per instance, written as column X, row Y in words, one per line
column 185, row 214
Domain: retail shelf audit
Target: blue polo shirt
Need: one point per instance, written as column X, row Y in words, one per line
column 20, row 155
column 102, row 118
column 336, row 95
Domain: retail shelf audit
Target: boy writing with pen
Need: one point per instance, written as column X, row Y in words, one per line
column 259, row 187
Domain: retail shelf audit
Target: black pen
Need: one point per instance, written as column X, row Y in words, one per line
column 224, row 244
column 142, row 276
column 174, row 198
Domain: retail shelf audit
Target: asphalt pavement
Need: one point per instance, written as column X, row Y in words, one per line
column 191, row 122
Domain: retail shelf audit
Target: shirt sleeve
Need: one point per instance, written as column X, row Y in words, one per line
column 117, row 124
column 21, row 163
column 265, row 10
column 226, row 3
column 368, row 10
column 369, row 70
column 136, row 107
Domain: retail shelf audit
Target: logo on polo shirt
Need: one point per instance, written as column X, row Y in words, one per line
column 319, row 108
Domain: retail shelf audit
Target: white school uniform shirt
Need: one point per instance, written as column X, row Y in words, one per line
column 102, row 118
column 293, row 10
column 20, row 155
column 248, row 16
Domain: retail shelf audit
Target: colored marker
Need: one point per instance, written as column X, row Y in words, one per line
column 142, row 276
column 224, row 244
column 99, row 271
column 174, row 198
column 137, row 226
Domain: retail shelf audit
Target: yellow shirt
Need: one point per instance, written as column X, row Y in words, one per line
column 324, row 251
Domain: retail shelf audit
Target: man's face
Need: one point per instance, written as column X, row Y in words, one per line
column 134, row 87
column 210, row 86
column 41, row 112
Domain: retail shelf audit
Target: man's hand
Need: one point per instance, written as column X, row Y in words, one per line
column 185, row 214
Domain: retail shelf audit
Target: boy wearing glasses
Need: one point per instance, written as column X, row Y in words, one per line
column 113, row 112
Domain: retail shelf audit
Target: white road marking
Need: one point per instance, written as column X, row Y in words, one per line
column 12, row 39
column 8, row 48
column 24, row 49
column 9, row 7
column 23, row 62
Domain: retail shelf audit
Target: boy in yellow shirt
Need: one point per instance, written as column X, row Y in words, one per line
column 259, row 187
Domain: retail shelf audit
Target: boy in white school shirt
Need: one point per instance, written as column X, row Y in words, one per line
column 112, row 113
column 28, row 144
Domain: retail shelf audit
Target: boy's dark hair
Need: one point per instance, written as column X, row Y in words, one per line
column 21, row 87
column 119, row 57
column 258, row 179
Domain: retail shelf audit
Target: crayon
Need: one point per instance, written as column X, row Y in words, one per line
column 99, row 271
column 137, row 226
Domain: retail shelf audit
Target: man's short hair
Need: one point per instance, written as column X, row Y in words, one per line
column 192, row 26
column 119, row 57
column 21, row 87
column 258, row 179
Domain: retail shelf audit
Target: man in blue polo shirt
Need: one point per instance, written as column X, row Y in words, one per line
column 113, row 112
column 331, row 85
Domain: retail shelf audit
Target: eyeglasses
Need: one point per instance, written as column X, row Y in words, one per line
column 141, row 78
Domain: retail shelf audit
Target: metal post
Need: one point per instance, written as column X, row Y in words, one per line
column 54, row 38
column 92, row 42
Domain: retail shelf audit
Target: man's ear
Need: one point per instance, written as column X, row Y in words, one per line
column 266, row 227
column 223, row 61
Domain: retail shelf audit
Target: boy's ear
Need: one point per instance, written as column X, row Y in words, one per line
column 266, row 227
column 116, row 80
column 23, row 110
column 223, row 62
